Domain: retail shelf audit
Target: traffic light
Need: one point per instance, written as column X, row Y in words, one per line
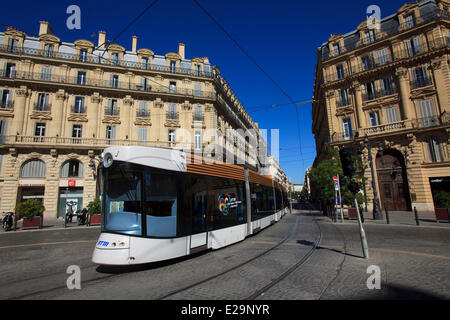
column 347, row 162
column 354, row 187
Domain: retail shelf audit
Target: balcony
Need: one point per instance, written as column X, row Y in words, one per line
column 99, row 60
column 112, row 111
column 172, row 115
column 358, row 43
column 142, row 114
column 378, row 94
column 388, row 127
column 421, row 82
column 106, row 84
column 42, row 107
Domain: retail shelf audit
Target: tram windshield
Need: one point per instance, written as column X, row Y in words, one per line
column 140, row 201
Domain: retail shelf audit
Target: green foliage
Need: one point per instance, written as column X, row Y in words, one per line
column 30, row 208
column 442, row 199
column 322, row 178
column 95, row 206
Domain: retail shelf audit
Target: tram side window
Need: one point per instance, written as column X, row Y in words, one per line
column 160, row 204
column 122, row 202
column 262, row 201
column 198, row 192
column 278, row 199
column 228, row 203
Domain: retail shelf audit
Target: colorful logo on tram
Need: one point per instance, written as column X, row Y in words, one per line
column 224, row 202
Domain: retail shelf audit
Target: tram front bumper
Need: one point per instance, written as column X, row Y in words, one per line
column 112, row 249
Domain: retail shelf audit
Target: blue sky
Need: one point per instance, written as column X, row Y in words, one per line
column 281, row 36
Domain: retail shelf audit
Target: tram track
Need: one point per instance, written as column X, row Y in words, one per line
column 273, row 282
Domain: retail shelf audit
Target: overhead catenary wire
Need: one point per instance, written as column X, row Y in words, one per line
column 261, row 69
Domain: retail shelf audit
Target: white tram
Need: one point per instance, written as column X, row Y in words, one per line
column 160, row 204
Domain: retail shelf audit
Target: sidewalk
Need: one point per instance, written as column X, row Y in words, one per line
column 399, row 218
column 54, row 224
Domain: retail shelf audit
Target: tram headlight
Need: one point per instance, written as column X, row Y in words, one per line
column 108, row 160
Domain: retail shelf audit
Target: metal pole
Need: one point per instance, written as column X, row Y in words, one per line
column 340, row 201
column 335, row 206
column 387, row 215
column 365, row 248
column 417, row 217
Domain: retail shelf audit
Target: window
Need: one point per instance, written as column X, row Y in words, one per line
column 340, row 71
column 173, row 66
column 5, row 99
column 343, row 98
column 198, row 70
column 143, row 110
column 198, row 90
column 142, row 134
column 387, row 86
column 414, row 47
column 172, row 112
column 145, row 63
column 42, row 102
column 39, row 132
column 114, row 81
column 198, row 113
column 9, row 70
column 382, row 56
column 145, row 85
column 427, row 115
column 409, row 21
column 374, row 119
column 83, row 55
column 115, row 59
column 434, row 149
column 13, row 45
column 48, row 50
column 76, row 133
column 198, row 140
column 72, row 169
column 391, row 115
column 112, row 109
column 81, row 77
column 367, row 63
column 347, row 128
column 370, row 90
column 172, row 87
column 337, row 49
column 3, row 130
column 370, row 37
column 46, row 73
column 420, row 77
column 79, row 105
column 34, row 168
column 172, row 138
column 110, row 133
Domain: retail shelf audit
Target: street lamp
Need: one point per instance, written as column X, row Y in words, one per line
column 377, row 213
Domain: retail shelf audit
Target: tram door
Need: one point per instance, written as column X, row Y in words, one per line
column 199, row 237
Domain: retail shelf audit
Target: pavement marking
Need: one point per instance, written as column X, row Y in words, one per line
column 46, row 244
column 411, row 253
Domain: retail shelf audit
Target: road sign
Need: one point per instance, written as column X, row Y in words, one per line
column 336, row 186
column 335, row 179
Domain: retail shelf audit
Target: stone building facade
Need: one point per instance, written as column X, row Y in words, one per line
column 62, row 103
column 392, row 85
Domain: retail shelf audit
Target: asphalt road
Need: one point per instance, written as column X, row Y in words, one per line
column 304, row 256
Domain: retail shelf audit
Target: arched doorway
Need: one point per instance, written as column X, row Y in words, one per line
column 392, row 182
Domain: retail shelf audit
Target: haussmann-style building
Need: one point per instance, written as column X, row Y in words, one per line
column 390, row 85
column 62, row 103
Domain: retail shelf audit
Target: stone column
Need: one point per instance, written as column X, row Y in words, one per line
column 356, row 86
column 403, row 79
column 19, row 111
column 441, row 79
column 93, row 117
column 58, row 113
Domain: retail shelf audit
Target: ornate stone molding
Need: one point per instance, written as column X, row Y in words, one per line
column 172, row 123
column 402, row 74
column 84, row 44
column 146, row 122
column 21, row 92
column 111, row 120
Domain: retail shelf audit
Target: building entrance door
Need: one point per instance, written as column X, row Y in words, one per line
column 392, row 182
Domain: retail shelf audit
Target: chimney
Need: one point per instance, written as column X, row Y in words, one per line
column 134, row 45
column 101, row 39
column 44, row 28
column 181, row 50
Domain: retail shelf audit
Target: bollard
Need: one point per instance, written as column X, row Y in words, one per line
column 417, row 217
column 387, row 215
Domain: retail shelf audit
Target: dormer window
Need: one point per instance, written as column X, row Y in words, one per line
column 13, row 45
column 115, row 59
column 48, row 50
column 409, row 21
column 83, row 55
column 370, row 37
column 337, row 49
column 145, row 63
column 173, row 66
